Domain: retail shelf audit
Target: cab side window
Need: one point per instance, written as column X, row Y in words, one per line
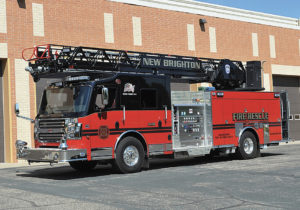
column 97, row 103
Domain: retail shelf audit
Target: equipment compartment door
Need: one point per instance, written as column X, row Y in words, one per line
column 192, row 126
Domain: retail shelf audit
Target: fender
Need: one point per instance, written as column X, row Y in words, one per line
column 243, row 130
column 126, row 132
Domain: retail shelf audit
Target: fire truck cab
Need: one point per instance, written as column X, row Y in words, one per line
column 117, row 107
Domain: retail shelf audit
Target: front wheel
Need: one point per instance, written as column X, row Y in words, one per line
column 130, row 155
column 248, row 146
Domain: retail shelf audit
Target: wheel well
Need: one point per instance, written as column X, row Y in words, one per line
column 135, row 135
column 251, row 130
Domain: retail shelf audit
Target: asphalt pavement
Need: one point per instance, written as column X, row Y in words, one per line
column 268, row 182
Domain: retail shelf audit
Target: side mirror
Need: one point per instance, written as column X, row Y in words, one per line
column 105, row 95
column 17, row 109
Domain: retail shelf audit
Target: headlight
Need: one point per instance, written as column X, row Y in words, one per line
column 73, row 128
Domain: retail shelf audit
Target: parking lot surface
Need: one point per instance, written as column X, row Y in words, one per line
column 268, row 182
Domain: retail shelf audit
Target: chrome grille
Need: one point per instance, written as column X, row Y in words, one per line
column 53, row 123
column 51, row 130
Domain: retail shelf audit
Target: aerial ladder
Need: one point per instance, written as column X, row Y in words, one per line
column 52, row 61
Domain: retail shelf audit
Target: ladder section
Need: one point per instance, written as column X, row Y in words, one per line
column 46, row 60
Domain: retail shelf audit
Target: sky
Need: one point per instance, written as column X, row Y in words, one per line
column 288, row 8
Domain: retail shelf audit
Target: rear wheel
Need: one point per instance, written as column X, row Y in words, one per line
column 130, row 155
column 248, row 146
column 83, row 165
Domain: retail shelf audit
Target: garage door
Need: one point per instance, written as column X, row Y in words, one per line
column 1, row 117
column 292, row 86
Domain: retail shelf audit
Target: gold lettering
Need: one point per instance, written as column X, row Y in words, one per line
column 234, row 116
column 240, row 116
column 266, row 115
column 250, row 116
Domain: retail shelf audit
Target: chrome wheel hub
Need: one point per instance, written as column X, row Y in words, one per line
column 131, row 155
column 248, row 146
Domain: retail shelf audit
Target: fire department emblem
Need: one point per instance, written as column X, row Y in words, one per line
column 129, row 88
column 103, row 132
column 227, row 69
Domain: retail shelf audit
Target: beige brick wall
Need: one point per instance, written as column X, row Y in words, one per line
column 109, row 28
column 23, row 99
column 286, row 70
column 267, row 82
column 255, row 45
column 212, row 39
column 272, row 46
column 191, row 36
column 38, row 19
column 137, row 31
column 3, row 21
column 299, row 46
column 3, row 50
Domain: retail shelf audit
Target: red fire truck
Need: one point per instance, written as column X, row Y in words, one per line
column 114, row 106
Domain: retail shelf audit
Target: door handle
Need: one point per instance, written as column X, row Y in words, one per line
column 166, row 112
column 124, row 113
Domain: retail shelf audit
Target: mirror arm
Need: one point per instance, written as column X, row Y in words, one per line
column 17, row 111
column 25, row 118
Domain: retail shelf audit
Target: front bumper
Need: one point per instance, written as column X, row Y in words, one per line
column 52, row 155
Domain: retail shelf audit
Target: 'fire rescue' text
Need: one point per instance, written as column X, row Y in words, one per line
column 250, row 116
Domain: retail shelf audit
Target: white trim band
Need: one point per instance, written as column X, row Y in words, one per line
column 213, row 10
column 285, row 70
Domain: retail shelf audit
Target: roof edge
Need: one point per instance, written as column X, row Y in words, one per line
column 213, row 10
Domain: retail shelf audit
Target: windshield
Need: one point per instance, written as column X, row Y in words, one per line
column 65, row 100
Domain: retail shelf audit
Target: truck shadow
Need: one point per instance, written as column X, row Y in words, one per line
column 65, row 172
column 200, row 161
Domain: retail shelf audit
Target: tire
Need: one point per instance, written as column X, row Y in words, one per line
column 130, row 155
column 83, row 165
column 248, row 146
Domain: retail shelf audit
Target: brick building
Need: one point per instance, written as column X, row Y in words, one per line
column 171, row 27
